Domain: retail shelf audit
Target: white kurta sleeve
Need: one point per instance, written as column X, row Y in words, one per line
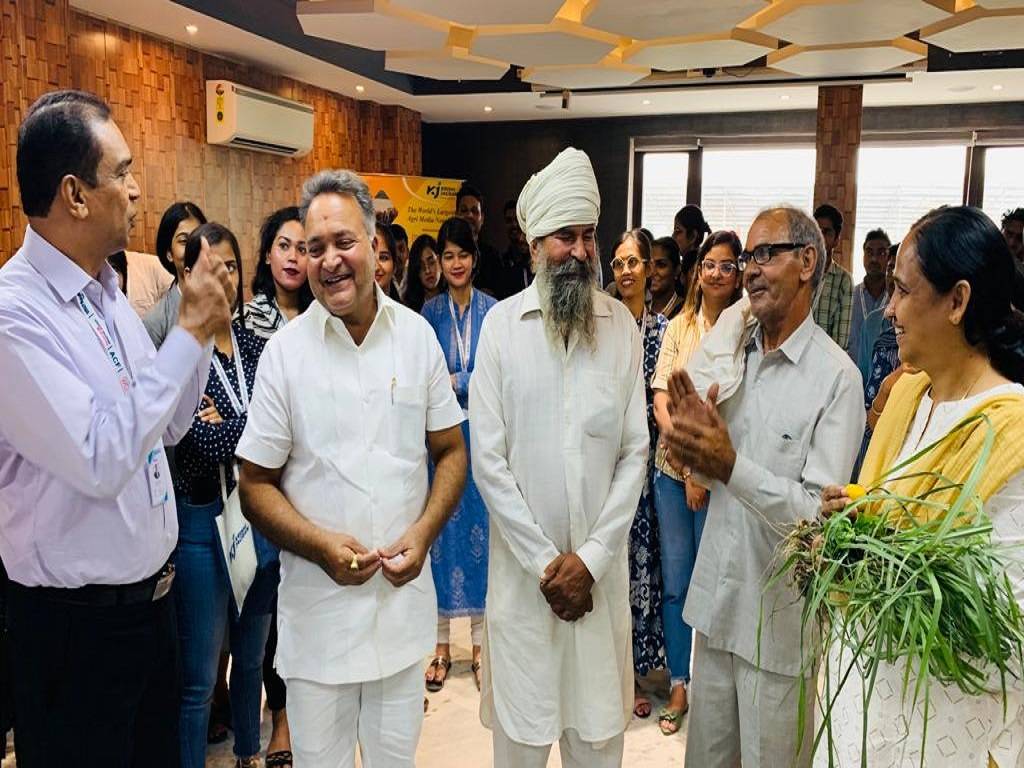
column 267, row 439
column 491, row 471
column 610, row 530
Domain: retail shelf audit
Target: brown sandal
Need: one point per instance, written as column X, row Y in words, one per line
column 438, row 662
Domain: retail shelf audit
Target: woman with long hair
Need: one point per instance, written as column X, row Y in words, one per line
column 631, row 264
column 681, row 503
column 668, row 291
column 176, row 224
column 205, row 605
column 458, row 558
column 280, row 290
column 955, row 323
column 423, row 280
column 384, row 274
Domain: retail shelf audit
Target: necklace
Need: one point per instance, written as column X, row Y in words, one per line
column 931, row 411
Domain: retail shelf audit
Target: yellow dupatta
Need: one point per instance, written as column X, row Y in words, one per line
column 953, row 458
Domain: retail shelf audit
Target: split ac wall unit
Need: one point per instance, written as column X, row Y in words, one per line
column 242, row 117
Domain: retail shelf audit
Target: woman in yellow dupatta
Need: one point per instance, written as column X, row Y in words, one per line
column 955, row 323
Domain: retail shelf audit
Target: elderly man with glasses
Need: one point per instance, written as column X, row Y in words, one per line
column 766, row 435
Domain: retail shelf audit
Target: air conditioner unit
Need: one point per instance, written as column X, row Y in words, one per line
column 237, row 116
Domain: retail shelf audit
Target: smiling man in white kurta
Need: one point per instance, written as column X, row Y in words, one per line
column 559, row 453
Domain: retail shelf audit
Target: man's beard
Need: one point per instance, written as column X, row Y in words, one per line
column 567, row 298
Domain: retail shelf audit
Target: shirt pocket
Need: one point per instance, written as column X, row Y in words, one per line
column 407, row 421
column 786, row 449
column 599, row 402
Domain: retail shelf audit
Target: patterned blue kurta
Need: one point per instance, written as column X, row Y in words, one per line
column 644, row 563
column 458, row 558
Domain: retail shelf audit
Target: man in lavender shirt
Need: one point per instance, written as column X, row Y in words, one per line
column 87, row 516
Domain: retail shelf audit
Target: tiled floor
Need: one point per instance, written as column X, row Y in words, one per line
column 453, row 737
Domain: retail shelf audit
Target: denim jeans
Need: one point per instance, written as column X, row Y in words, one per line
column 680, row 529
column 205, row 607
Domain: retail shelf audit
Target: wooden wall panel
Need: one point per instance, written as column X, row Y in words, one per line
column 33, row 60
column 840, row 114
column 156, row 90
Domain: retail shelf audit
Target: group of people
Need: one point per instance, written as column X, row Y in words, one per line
column 598, row 478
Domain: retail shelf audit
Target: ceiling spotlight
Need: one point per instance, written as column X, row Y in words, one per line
column 997, row 87
column 361, row 88
column 488, row 108
column 646, row 102
column 191, row 29
column 784, row 97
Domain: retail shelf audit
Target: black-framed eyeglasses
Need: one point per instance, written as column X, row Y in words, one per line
column 764, row 253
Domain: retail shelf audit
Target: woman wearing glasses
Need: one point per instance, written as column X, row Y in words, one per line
column 680, row 503
column 631, row 270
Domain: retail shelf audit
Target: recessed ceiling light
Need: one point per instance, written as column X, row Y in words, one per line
column 361, row 88
column 997, row 87
column 784, row 97
column 191, row 28
column 647, row 102
column 488, row 108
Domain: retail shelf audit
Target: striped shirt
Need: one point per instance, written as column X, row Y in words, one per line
column 262, row 316
column 835, row 302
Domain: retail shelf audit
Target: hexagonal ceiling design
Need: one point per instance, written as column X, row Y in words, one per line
column 479, row 12
column 603, row 76
column 369, row 24
column 862, row 58
column 995, row 4
column 650, row 19
column 533, row 46
column 979, row 29
column 732, row 49
column 831, row 22
column 444, row 64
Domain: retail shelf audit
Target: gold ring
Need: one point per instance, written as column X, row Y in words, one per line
column 354, row 565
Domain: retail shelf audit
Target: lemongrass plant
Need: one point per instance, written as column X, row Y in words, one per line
column 882, row 587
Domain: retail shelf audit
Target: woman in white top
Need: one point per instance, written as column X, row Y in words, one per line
column 955, row 322
column 280, row 290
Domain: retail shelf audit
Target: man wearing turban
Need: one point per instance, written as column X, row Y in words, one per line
column 560, row 444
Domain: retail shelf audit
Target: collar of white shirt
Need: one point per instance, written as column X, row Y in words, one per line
column 531, row 302
column 794, row 346
column 325, row 319
column 67, row 278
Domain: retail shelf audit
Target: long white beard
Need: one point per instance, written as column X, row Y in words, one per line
column 567, row 299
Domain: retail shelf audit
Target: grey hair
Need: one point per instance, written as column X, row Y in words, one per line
column 339, row 182
column 803, row 229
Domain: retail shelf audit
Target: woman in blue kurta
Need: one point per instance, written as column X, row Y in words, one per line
column 458, row 558
column 630, row 268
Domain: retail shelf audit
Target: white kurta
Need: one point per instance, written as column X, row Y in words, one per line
column 962, row 730
column 560, row 449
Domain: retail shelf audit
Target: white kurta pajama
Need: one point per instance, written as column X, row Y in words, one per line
column 559, row 454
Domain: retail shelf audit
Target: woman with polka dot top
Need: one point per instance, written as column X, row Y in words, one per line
column 205, row 603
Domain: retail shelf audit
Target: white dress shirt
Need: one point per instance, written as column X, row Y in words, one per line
column 560, row 447
column 796, row 423
column 76, row 506
column 348, row 423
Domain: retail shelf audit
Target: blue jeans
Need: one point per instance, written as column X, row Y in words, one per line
column 205, row 607
column 680, row 529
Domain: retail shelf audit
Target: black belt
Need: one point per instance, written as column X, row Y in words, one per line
column 109, row 595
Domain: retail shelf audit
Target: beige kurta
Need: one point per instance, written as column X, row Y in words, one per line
column 560, row 448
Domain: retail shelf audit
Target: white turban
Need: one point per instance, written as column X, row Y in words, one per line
column 564, row 194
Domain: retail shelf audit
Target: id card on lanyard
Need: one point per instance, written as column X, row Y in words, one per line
column 156, row 478
column 463, row 343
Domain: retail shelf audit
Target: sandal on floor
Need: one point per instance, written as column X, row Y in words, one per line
column 642, row 707
column 669, row 720
column 438, row 662
column 475, row 666
column 281, row 759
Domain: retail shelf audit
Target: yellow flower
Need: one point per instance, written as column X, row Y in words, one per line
column 854, row 491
